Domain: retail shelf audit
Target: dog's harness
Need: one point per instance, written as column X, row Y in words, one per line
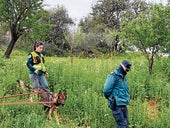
column 47, row 97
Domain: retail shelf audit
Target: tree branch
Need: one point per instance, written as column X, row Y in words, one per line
column 20, row 15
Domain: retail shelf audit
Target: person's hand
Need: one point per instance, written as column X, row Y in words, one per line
column 36, row 72
column 46, row 74
column 112, row 103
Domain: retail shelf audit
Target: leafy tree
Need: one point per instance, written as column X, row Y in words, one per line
column 86, row 44
column 135, row 7
column 43, row 25
column 18, row 14
column 107, row 16
column 40, row 30
column 110, row 36
column 149, row 32
column 61, row 21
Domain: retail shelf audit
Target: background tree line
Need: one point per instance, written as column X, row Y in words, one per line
column 113, row 26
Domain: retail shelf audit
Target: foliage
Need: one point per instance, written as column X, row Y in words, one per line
column 97, row 33
column 3, row 39
column 84, row 80
column 19, row 16
column 61, row 22
column 42, row 26
column 40, row 31
column 149, row 32
column 106, row 18
column 108, row 13
column 85, row 45
column 15, row 10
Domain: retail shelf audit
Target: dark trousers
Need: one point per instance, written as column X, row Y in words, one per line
column 120, row 113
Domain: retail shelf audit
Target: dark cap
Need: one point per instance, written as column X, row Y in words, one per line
column 127, row 64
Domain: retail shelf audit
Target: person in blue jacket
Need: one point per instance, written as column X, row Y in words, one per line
column 117, row 92
column 37, row 70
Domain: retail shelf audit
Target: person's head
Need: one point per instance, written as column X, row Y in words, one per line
column 38, row 46
column 126, row 65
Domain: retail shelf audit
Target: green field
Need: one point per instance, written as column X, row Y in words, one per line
column 84, row 79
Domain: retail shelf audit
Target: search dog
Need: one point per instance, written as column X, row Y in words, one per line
column 54, row 99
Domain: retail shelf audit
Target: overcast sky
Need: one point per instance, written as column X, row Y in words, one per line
column 79, row 8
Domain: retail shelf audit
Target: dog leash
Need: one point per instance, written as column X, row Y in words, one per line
column 24, row 94
column 24, row 103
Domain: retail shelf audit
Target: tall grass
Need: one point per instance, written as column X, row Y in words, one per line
column 84, row 79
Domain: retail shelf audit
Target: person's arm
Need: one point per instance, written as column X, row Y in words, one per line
column 29, row 63
column 108, row 86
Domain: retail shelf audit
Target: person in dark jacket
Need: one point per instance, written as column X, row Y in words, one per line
column 37, row 70
column 117, row 92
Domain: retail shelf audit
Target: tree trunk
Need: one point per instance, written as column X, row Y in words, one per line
column 10, row 47
column 150, row 61
column 115, row 50
column 116, row 46
column 71, row 54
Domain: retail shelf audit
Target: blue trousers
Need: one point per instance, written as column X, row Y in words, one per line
column 120, row 113
column 38, row 81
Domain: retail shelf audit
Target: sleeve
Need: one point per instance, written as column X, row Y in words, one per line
column 30, row 62
column 108, row 86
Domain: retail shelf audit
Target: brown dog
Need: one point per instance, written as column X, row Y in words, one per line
column 55, row 99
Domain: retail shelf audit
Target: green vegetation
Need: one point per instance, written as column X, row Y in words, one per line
column 84, row 80
column 149, row 34
column 113, row 27
column 20, row 16
column 145, row 25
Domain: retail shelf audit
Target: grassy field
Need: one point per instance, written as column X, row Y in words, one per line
column 84, row 79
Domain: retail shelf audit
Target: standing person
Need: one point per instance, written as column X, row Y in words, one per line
column 117, row 92
column 37, row 70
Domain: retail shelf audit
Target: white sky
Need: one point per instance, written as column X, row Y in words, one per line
column 80, row 8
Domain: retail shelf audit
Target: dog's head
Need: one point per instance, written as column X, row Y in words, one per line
column 60, row 98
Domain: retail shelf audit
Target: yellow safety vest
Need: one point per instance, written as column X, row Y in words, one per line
column 38, row 61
